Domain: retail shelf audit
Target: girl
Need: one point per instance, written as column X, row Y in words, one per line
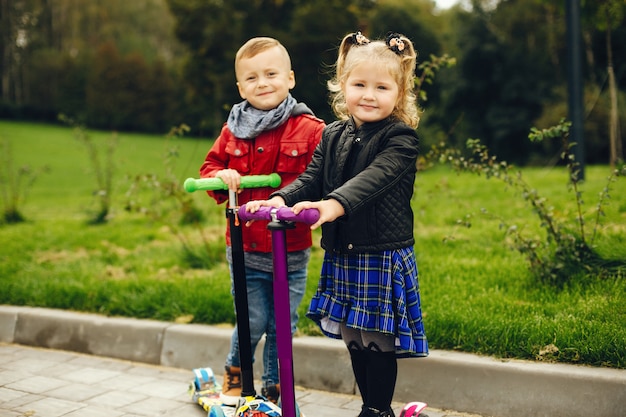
column 361, row 181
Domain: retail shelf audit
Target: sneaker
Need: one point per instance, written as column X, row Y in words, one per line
column 256, row 407
column 231, row 388
column 271, row 392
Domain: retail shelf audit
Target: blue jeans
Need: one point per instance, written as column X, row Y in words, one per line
column 262, row 321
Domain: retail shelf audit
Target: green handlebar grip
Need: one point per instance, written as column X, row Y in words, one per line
column 250, row 181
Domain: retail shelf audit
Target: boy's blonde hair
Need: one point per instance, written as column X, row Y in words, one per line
column 257, row 45
column 355, row 50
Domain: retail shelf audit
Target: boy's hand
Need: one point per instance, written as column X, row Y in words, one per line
column 329, row 210
column 231, row 178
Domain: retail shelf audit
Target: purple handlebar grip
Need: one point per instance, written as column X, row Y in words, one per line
column 308, row 216
column 263, row 213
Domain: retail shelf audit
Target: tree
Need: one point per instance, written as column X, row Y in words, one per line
column 47, row 49
column 18, row 18
column 414, row 19
column 607, row 15
column 505, row 76
column 212, row 32
column 313, row 49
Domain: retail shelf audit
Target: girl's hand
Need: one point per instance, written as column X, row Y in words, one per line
column 329, row 210
column 254, row 205
column 231, row 178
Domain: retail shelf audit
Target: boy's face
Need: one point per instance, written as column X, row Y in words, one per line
column 265, row 79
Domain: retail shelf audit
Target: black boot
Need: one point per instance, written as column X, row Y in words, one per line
column 372, row 412
column 358, row 357
column 382, row 371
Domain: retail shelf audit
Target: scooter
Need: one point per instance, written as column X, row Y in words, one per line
column 282, row 219
column 204, row 388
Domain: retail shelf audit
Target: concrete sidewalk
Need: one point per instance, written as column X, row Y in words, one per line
column 37, row 382
column 445, row 380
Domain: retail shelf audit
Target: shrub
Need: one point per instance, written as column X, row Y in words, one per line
column 567, row 250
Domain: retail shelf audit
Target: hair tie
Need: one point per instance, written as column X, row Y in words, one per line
column 358, row 38
column 395, row 43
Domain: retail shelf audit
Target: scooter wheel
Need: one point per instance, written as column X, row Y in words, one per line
column 216, row 411
column 413, row 409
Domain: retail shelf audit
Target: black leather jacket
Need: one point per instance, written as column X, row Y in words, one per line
column 370, row 171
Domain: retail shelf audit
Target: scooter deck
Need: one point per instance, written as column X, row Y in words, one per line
column 205, row 390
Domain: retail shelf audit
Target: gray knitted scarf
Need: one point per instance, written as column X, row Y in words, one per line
column 247, row 122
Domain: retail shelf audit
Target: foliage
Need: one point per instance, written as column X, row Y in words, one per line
column 566, row 253
column 15, row 183
column 107, row 64
column 412, row 19
column 214, row 32
column 596, row 129
column 148, row 65
column 607, row 16
column 125, row 93
column 309, row 32
column 428, row 71
column 477, row 295
column 604, row 13
column 161, row 198
column 103, row 168
column 502, row 81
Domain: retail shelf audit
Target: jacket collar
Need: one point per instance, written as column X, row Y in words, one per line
column 369, row 127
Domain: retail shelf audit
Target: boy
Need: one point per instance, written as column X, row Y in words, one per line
column 269, row 131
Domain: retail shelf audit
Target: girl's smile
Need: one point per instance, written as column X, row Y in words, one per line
column 371, row 93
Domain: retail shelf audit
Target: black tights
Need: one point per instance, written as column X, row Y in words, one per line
column 374, row 365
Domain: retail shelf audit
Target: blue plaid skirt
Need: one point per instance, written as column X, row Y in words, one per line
column 372, row 292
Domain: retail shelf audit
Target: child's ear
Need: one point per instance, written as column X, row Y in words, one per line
column 241, row 92
column 292, row 79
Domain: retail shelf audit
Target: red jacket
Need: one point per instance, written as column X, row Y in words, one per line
column 286, row 150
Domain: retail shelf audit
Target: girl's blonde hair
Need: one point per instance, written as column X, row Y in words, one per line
column 396, row 53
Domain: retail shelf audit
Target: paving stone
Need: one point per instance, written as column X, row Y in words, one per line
column 45, row 372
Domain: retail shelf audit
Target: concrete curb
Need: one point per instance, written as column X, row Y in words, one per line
column 446, row 380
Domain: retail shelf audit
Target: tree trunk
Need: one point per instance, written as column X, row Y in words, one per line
column 614, row 133
column 5, row 48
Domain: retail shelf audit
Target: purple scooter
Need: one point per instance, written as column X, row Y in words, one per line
column 282, row 219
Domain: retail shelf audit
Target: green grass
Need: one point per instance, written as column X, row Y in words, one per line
column 477, row 293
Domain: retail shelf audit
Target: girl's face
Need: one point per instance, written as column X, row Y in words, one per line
column 371, row 93
column 265, row 79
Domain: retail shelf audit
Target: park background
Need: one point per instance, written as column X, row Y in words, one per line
column 95, row 217
column 147, row 65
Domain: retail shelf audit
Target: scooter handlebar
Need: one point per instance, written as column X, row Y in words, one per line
column 250, row 181
column 308, row 216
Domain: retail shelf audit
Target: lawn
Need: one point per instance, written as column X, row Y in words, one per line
column 477, row 292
